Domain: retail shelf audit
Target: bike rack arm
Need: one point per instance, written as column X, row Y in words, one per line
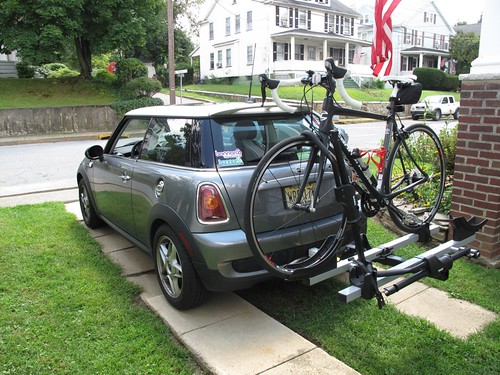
column 352, row 292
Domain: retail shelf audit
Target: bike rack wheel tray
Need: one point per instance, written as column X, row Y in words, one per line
column 435, row 262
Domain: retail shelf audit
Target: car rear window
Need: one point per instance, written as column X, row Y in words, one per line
column 243, row 141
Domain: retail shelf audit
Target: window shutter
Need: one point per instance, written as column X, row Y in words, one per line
column 302, row 52
column 296, row 18
column 275, row 52
column 352, row 26
column 277, row 15
column 308, row 20
column 326, row 22
column 286, row 51
column 290, row 17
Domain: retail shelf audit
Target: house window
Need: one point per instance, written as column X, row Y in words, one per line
column 338, row 55
column 299, row 52
column 249, row 20
column 211, row 31
column 228, row 57
column 430, row 17
column 311, row 53
column 228, row 26
column 408, row 63
column 282, row 16
column 219, row 59
column 302, row 19
column 347, row 26
column 212, row 61
column 249, row 55
column 237, row 24
column 280, row 51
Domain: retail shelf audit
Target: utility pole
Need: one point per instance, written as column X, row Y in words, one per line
column 171, row 62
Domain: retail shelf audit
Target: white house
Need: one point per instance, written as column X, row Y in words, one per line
column 283, row 38
column 420, row 36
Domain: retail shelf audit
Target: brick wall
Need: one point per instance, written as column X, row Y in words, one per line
column 476, row 188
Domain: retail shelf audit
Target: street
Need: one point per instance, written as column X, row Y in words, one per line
column 40, row 167
column 51, row 166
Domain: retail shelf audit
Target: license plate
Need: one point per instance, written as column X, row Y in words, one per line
column 292, row 192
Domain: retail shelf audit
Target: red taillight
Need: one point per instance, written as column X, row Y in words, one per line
column 210, row 205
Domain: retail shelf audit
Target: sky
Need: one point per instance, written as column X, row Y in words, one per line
column 453, row 10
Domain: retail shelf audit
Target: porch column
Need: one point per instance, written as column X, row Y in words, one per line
column 489, row 52
column 346, row 62
column 325, row 49
column 292, row 48
column 421, row 61
column 439, row 62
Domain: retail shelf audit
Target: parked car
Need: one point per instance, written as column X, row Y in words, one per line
column 435, row 106
column 172, row 179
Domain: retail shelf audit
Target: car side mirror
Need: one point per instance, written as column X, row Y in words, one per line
column 94, row 152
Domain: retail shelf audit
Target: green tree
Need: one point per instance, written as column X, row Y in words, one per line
column 464, row 48
column 42, row 31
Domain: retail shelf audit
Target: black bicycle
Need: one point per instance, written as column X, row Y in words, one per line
column 304, row 175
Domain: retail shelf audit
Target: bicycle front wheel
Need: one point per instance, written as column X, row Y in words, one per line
column 290, row 233
column 415, row 175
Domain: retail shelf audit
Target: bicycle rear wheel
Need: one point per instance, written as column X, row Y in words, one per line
column 287, row 238
column 416, row 169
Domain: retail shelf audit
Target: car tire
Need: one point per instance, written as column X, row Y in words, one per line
column 89, row 214
column 437, row 115
column 175, row 272
column 456, row 115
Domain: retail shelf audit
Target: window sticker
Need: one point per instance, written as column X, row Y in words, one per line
column 229, row 158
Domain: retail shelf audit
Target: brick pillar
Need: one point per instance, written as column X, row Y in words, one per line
column 476, row 187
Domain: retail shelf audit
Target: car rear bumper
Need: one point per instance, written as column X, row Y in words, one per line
column 228, row 263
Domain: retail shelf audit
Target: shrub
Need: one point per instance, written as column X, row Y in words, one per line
column 54, row 67
column 429, row 78
column 129, row 69
column 450, row 82
column 141, row 87
column 25, row 70
column 63, row 73
column 435, row 79
column 373, row 84
column 103, row 76
column 124, row 106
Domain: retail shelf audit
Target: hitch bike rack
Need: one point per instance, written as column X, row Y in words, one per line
column 434, row 263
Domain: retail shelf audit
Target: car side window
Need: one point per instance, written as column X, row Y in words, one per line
column 445, row 100
column 130, row 139
column 452, row 99
column 167, row 141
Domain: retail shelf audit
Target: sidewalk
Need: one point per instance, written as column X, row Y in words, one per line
column 226, row 334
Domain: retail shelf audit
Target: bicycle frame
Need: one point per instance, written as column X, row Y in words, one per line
column 329, row 150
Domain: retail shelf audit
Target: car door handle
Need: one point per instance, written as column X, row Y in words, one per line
column 125, row 177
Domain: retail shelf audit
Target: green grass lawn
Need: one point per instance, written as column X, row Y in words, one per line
column 38, row 93
column 386, row 341
column 64, row 308
column 296, row 92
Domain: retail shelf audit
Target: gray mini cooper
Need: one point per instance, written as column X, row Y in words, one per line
column 172, row 179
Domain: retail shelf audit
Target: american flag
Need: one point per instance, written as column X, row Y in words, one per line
column 382, row 37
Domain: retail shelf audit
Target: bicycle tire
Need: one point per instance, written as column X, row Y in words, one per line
column 420, row 147
column 280, row 236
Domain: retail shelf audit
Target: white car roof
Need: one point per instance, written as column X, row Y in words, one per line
column 204, row 110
